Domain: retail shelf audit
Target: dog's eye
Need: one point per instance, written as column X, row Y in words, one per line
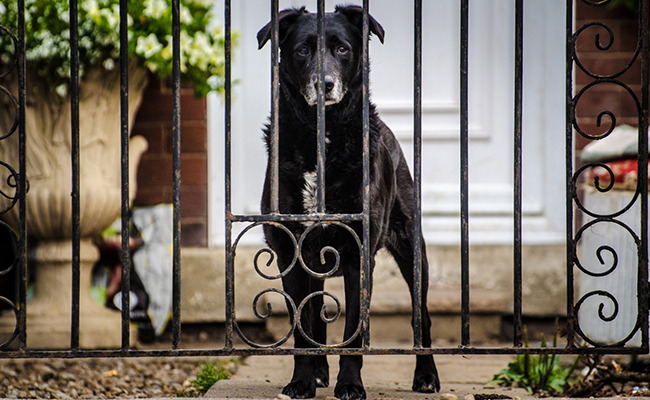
column 342, row 50
column 303, row 51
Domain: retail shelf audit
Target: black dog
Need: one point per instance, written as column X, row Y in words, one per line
column 391, row 190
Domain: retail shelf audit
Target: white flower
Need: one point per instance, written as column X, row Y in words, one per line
column 215, row 81
column 109, row 64
column 148, row 46
column 112, row 17
column 200, row 51
column 168, row 51
column 61, row 90
column 91, row 7
column 3, row 9
column 155, row 8
column 186, row 15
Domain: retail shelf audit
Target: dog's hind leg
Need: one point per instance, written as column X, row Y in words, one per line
column 401, row 247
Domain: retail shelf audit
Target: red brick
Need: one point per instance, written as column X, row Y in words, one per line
column 193, row 108
column 194, row 201
column 194, row 170
column 633, row 75
column 629, row 106
column 194, row 234
column 602, row 97
column 149, row 196
column 629, row 34
column 194, row 138
column 603, row 63
column 155, row 171
column 153, row 132
column 156, row 107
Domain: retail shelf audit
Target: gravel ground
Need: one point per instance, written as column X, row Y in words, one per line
column 118, row 377
column 98, row 378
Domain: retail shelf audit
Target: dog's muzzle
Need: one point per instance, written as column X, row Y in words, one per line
column 334, row 91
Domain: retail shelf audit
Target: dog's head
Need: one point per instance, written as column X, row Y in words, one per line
column 343, row 41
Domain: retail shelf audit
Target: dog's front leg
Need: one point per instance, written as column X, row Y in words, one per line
column 319, row 331
column 349, row 385
column 303, row 382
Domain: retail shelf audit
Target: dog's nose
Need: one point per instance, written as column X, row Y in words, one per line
column 329, row 84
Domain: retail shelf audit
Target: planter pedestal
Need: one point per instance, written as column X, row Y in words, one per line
column 49, row 311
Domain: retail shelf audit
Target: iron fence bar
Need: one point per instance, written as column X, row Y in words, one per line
column 124, row 141
column 74, row 115
column 365, row 257
column 464, row 171
column 320, row 107
column 642, row 283
column 275, row 108
column 322, row 351
column 22, row 211
column 229, row 273
column 570, row 244
column 519, row 40
column 176, row 183
column 417, row 173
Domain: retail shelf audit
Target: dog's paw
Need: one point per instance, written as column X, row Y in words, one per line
column 426, row 382
column 349, row 391
column 299, row 390
column 322, row 381
column 322, row 373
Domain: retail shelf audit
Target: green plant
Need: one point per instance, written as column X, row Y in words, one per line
column 47, row 39
column 209, row 374
column 541, row 373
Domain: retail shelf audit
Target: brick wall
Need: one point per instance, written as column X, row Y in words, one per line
column 624, row 25
column 154, row 122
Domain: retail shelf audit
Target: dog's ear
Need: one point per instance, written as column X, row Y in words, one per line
column 285, row 19
column 355, row 15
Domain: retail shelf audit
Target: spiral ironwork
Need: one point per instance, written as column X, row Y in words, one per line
column 296, row 311
column 13, row 181
column 13, row 336
column 603, row 44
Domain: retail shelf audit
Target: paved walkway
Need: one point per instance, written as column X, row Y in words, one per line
column 385, row 377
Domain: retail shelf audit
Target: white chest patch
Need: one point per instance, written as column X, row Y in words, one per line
column 310, row 193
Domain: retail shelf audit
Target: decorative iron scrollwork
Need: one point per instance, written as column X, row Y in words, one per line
column 296, row 311
column 13, row 336
column 604, row 41
column 12, row 181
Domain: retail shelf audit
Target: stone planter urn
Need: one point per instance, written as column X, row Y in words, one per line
column 49, row 204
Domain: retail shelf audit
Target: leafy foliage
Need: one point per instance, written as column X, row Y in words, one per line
column 47, row 39
column 209, row 374
column 541, row 373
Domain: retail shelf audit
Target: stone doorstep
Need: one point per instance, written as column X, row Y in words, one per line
column 544, row 294
column 203, row 291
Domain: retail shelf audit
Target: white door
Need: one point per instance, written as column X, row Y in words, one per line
column 491, row 113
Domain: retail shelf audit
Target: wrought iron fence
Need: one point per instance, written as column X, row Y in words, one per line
column 575, row 336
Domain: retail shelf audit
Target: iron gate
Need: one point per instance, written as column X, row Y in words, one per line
column 575, row 336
